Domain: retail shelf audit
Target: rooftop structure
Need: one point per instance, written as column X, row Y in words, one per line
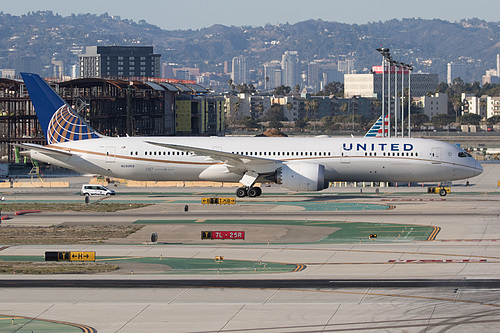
column 119, row 62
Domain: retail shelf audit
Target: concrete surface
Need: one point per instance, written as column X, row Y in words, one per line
column 467, row 247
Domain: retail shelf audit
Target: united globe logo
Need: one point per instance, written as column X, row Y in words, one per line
column 66, row 126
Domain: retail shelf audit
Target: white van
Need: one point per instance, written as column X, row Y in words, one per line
column 96, row 190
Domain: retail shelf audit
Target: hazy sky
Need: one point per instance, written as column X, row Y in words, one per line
column 195, row 14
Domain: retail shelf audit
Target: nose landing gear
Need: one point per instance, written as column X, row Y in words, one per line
column 248, row 191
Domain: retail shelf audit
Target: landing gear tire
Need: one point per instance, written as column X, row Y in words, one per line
column 254, row 192
column 241, row 192
column 442, row 192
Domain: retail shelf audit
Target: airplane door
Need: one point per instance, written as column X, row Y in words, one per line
column 110, row 154
column 436, row 155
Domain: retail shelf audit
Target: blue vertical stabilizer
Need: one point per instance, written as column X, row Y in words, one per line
column 59, row 122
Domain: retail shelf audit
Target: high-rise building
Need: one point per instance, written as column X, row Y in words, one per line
column 272, row 75
column 434, row 104
column 28, row 65
column 290, row 69
column 498, row 64
column 346, row 66
column 167, row 71
column 473, row 104
column 492, row 75
column 454, row 71
column 370, row 85
column 119, row 61
column 182, row 74
column 313, row 80
column 239, row 74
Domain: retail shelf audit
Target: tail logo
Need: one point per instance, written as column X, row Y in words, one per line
column 66, row 126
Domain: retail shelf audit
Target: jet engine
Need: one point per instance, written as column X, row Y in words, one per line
column 302, row 176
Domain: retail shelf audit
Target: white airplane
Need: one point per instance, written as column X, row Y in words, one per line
column 297, row 163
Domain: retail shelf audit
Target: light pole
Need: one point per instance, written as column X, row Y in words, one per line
column 396, row 99
column 402, row 99
column 385, row 54
column 389, row 98
column 410, row 68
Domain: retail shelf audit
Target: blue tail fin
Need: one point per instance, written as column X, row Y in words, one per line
column 59, row 122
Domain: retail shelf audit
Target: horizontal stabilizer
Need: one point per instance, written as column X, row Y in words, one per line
column 43, row 149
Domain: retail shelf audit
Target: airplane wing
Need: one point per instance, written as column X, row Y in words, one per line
column 43, row 149
column 257, row 164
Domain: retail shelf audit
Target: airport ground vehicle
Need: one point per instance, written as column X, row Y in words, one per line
column 90, row 189
column 442, row 191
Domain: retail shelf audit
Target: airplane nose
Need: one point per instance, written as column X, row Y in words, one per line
column 478, row 168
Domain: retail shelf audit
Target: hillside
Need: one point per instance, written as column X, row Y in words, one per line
column 428, row 44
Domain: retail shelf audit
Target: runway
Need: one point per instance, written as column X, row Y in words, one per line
column 450, row 284
column 315, row 284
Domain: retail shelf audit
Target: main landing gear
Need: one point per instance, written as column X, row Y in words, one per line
column 248, row 191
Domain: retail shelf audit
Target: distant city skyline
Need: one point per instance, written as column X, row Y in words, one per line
column 197, row 14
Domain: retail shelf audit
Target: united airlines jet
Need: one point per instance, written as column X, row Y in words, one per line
column 297, row 163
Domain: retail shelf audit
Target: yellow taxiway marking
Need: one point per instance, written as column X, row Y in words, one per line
column 124, row 258
column 169, row 201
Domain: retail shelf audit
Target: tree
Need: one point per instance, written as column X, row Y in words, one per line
column 344, row 107
column 275, row 113
column 297, row 88
column 312, row 106
column 328, row 123
column 493, row 120
column 470, row 119
column 249, row 122
column 332, row 88
column 418, row 119
column 442, row 119
column 244, row 88
column 282, row 90
column 233, row 111
column 275, row 124
column 301, row 123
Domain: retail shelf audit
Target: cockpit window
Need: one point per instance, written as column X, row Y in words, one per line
column 464, row 154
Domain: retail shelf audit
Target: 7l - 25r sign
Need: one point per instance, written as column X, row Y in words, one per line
column 222, row 235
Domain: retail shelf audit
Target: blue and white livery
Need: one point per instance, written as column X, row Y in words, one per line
column 297, row 163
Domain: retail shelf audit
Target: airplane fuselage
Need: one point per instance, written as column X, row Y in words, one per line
column 344, row 159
